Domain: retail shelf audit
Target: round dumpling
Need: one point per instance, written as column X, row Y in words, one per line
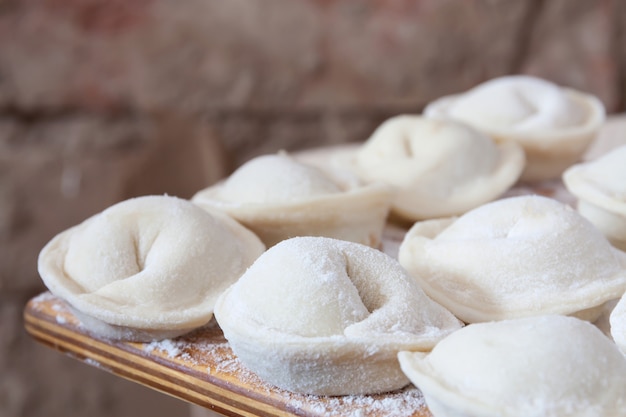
column 323, row 316
column 438, row 167
column 600, row 186
column 278, row 197
column 514, row 257
column 546, row 366
column 554, row 125
column 147, row 268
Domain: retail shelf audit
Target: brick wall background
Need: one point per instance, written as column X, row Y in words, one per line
column 101, row 100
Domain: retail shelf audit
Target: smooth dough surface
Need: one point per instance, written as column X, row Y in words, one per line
column 324, row 316
column 545, row 366
column 279, row 197
column 600, row 186
column 617, row 322
column 438, row 167
column 554, row 125
column 155, row 264
column 514, row 257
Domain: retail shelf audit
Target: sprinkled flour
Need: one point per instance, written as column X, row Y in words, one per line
column 206, row 349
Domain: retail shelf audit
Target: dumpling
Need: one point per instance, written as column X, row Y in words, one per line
column 147, row 268
column 600, row 186
column 278, row 197
column 546, row 366
column 323, row 316
column 438, row 167
column 554, row 125
column 335, row 159
column 617, row 322
column 515, row 257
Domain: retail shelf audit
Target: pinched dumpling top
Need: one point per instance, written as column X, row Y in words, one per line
column 600, row 186
column 553, row 124
column 278, row 197
column 546, row 366
column 325, row 316
column 514, row 257
column 155, row 264
column 277, row 179
column 438, row 167
column 519, row 103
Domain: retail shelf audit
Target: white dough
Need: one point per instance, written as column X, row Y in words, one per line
column 617, row 321
column 153, row 264
column 278, row 197
column 514, row 257
column 600, row 186
column 554, row 125
column 276, row 179
column 545, row 366
column 336, row 160
column 324, row 316
column 438, row 167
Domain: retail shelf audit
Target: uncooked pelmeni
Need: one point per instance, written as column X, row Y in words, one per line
column 278, row 197
column 600, row 186
column 515, row 257
column 334, row 159
column 546, row 366
column 553, row 124
column 147, row 268
column 439, row 168
column 617, row 321
column 323, row 316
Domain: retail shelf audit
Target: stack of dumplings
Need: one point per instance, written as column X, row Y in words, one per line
column 436, row 168
column 488, row 308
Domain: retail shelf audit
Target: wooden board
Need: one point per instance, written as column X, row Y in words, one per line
column 201, row 368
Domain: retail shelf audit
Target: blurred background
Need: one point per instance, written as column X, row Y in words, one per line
column 102, row 100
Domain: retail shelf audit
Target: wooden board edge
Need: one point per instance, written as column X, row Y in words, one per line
column 125, row 361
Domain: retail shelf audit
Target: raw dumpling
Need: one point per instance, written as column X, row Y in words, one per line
column 514, row 257
column 554, row 125
column 546, row 366
column 438, row 167
column 600, row 186
column 334, row 159
column 278, row 197
column 147, row 268
column 323, row 316
column 618, row 324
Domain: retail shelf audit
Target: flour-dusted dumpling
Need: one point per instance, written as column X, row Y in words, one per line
column 438, row 167
column 546, row 366
column 323, row 316
column 554, row 125
column 278, row 197
column 147, row 268
column 617, row 322
column 600, row 186
column 514, row 257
